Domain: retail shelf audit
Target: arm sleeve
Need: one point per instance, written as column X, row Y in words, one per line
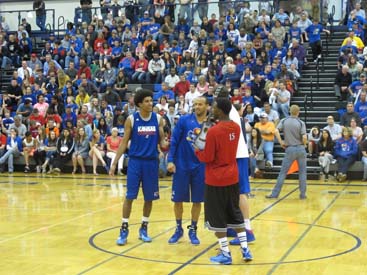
column 175, row 139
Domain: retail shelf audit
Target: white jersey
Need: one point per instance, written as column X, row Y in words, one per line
column 242, row 148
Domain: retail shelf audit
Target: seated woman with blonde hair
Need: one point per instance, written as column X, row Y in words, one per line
column 97, row 150
column 113, row 142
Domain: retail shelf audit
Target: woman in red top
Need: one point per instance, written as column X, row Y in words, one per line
column 141, row 68
column 113, row 143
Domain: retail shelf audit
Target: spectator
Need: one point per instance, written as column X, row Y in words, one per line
column 39, row 7
column 30, row 145
column 97, row 151
column 282, row 101
column 334, row 129
column 20, row 128
column 314, row 32
column 65, row 148
column 346, row 150
column 313, row 138
column 356, row 130
column 363, row 148
column 113, row 143
column 267, row 130
column 361, row 108
column 256, row 153
column 349, row 115
column 81, row 150
column 342, row 81
column 325, row 151
column 156, row 68
column 14, row 148
column 141, row 68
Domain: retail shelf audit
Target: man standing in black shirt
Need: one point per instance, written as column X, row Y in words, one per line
column 39, row 7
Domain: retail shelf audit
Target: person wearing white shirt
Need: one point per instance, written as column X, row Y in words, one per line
column 334, row 129
column 24, row 68
column 190, row 96
column 282, row 101
column 172, row 78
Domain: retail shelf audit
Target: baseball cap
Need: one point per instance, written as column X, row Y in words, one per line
column 362, row 75
column 146, row 12
column 69, row 106
column 33, row 55
column 263, row 115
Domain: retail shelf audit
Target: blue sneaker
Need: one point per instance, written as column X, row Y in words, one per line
column 192, row 235
column 250, row 236
column 122, row 239
column 231, row 232
column 235, row 241
column 222, row 258
column 143, row 235
column 176, row 236
column 246, row 254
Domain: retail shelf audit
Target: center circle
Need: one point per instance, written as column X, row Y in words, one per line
column 357, row 244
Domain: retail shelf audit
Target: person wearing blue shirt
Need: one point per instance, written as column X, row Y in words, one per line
column 144, row 132
column 314, row 38
column 345, row 151
column 69, row 115
column 165, row 91
column 188, row 177
column 14, row 147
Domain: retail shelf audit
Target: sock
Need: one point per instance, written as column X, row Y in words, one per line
column 194, row 224
column 144, row 222
column 247, row 224
column 223, row 244
column 243, row 239
column 179, row 223
column 125, row 224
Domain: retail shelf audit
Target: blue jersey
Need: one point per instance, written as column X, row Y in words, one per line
column 144, row 137
column 314, row 32
column 181, row 151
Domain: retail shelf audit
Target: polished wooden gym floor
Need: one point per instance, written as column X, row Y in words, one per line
column 68, row 225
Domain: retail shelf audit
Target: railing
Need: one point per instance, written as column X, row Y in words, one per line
column 305, row 107
column 60, row 22
column 311, row 90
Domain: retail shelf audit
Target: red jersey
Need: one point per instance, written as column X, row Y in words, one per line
column 219, row 154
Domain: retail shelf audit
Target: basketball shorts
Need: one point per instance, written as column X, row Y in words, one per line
column 244, row 183
column 145, row 172
column 221, row 208
column 188, row 185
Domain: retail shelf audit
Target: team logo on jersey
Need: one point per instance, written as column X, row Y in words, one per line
column 192, row 134
column 147, row 131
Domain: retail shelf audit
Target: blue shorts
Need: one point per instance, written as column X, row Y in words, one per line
column 146, row 172
column 189, row 182
column 243, row 181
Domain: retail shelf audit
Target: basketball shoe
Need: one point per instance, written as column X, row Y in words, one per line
column 176, row 236
column 122, row 239
column 192, row 235
column 222, row 258
column 246, row 254
column 143, row 235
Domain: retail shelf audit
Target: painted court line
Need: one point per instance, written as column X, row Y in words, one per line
column 292, row 247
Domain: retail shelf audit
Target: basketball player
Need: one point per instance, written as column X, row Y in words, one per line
column 188, row 178
column 144, row 130
column 221, row 177
column 242, row 162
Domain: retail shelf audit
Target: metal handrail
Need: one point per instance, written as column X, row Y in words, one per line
column 19, row 12
column 311, row 90
column 60, row 22
column 305, row 107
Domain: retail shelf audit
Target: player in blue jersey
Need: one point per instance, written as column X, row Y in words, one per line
column 188, row 178
column 144, row 131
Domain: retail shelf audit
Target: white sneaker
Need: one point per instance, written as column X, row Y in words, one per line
column 333, row 161
column 38, row 169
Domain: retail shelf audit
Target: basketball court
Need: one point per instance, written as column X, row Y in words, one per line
column 68, row 225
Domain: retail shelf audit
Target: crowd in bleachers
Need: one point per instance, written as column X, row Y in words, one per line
column 81, row 79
